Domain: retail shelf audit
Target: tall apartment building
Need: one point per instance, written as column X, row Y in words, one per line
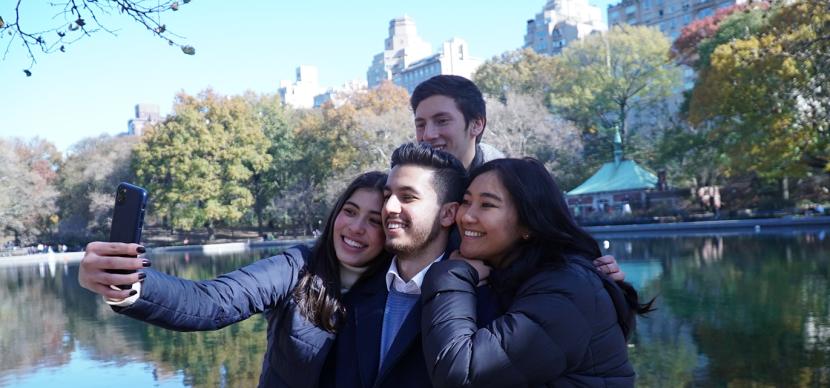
column 145, row 114
column 561, row 22
column 402, row 47
column 338, row 96
column 670, row 16
column 301, row 92
column 453, row 59
column 408, row 60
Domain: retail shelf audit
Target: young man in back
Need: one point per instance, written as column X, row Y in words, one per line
column 451, row 115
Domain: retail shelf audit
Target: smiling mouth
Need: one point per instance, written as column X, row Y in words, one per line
column 395, row 225
column 470, row 233
column 352, row 243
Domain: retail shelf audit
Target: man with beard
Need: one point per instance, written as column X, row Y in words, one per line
column 379, row 344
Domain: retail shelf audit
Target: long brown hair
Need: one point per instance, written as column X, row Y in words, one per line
column 318, row 292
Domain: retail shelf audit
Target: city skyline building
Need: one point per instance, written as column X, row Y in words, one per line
column 145, row 114
column 670, row 16
column 454, row 59
column 402, row 47
column 301, row 92
column 562, row 22
column 338, row 96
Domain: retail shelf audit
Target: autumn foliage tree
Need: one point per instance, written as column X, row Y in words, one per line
column 763, row 96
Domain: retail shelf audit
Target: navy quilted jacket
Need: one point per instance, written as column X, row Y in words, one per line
column 560, row 330
column 296, row 349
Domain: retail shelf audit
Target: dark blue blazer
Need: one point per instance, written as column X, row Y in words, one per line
column 357, row 347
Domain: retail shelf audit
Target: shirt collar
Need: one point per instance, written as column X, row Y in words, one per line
column 413, row 286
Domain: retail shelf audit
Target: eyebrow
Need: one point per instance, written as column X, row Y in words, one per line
column 486, row 195
column 401, row 188
column 355, row 205
column 438, row 114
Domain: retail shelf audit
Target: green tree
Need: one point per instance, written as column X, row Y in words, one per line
column 271, row 180
column 607, row 76
column 199, row 162
column 520, row 71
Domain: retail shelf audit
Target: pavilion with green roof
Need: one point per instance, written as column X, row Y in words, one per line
column 615, row 185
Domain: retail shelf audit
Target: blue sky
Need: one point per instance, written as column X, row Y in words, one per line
column 240, row 45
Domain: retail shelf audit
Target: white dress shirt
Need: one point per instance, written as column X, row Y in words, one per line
column 413, row 286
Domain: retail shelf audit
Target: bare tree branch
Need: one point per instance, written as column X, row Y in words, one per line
column 77, row 19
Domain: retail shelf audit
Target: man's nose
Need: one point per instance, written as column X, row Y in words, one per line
column 392, row 205
column 430, row 133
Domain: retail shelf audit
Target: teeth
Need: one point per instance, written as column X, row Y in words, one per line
column 353, row 243
column 394, row 225
column 470, row 233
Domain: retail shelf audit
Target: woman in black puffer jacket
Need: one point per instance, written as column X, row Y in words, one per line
column 564, row 323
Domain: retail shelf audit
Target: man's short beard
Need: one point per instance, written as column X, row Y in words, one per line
column 418, row 241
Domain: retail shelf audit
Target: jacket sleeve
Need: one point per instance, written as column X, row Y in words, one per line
column 535, row 341
column 186, row 305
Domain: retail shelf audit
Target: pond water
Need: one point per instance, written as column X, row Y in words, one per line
column 748, row 310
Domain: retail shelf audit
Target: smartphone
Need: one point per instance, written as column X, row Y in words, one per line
column 127, row 218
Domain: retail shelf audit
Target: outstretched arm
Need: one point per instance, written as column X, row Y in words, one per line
column 186, row 305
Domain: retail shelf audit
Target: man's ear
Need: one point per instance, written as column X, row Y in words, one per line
column 447, row 216
column 476, row 126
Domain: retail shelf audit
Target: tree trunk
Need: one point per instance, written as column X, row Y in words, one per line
column 785, row 188
column 622, row 121
column 211, row 232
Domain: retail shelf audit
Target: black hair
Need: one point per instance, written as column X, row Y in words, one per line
column 553, row 234
column 318, row 291
column 465, row 93
column 449, row 177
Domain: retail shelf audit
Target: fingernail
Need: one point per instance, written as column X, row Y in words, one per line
column 141, row 249
column 133, row 292
column 145, row 263
column 141, row 275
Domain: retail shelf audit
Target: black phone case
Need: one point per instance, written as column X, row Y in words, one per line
column 127, row 217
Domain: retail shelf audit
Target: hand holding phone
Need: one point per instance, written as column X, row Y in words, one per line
column 127, row 217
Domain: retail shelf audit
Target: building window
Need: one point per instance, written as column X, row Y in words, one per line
column 630, row 9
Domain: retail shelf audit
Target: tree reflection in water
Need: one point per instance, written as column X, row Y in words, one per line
column 738, row 311
column 733, row 310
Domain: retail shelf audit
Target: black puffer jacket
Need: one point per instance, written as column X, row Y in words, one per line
column 296, row 349
column 560, row 330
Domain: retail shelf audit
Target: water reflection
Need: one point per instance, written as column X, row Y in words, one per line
column 742, row 310
column 733, row 310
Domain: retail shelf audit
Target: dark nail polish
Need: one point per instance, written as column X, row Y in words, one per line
column 140, row 249
column 145, row 263
column 133, row 292
column 141, row 275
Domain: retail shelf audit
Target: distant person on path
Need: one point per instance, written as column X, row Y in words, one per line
column 563, row 322
column 299, row 290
